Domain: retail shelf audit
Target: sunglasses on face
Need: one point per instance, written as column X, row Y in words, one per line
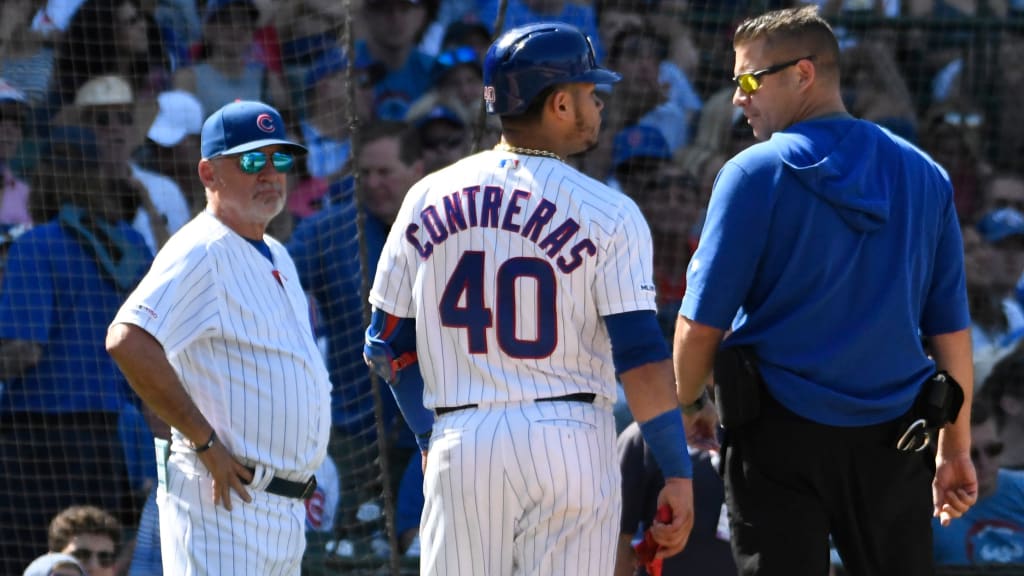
column 84, row 555
column 989, row 450
column 456, row 56
column 253, row 162
column 751, row 81
column 107, row 118
column 970, row 120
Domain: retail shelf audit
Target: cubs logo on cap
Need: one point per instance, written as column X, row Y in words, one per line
column 242, row 126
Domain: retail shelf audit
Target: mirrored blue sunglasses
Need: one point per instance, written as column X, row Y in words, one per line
column 253, row 162
column 456, row 56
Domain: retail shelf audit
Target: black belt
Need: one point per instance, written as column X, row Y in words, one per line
column 584, row 397
column 289, row 488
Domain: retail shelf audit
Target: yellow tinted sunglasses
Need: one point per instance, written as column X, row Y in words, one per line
column 751, row 81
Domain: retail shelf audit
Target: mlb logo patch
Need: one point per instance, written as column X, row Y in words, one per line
column 509, row 163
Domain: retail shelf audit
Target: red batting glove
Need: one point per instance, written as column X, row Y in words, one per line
column 647, row 549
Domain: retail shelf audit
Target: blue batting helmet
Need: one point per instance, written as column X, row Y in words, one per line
column 524, row 61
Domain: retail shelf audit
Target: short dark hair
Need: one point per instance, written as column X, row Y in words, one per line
column 409, row 149
column 798, row 29
column 79, row 520
column 1005, row 380
column 532, row 114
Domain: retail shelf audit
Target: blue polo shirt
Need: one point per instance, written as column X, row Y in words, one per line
column 54, row 294
column 325, row 249
column 831, row 248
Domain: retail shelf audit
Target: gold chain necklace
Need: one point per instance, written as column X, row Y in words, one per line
column 527, row 151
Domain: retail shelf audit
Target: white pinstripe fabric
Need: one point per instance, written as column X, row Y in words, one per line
column 617, row 279
column 524, row 488
column 243, row 347
column 266, row 536
column 517, row 487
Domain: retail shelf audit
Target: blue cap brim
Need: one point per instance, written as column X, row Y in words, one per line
column 598, row 76
column 257, row 144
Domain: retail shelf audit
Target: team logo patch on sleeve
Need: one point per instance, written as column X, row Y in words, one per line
column 149, row 311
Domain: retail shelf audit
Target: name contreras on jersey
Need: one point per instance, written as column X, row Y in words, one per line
column 477, row 206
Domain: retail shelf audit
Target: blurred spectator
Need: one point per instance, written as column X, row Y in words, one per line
column 707, row 551
column 1007, row 139
column 26, row 59
column 111, row 37
column 643, row 96
column 52, row 564
column 326, row 129
column 443, row 137
column 326, row 251
column 172, row 146
column 941, row 48
column 637, row 154
column 459, row 78
column 65, row 279
column 951, row 133
column 229, row 66
column 722, row 132
column 673, row 204
column 13, row 121
column 466, row 32
column 393, row 28
column 874, row 89
column 106, row 105
column 992, row 531
column 88, row 534
column 519, row 12
column 1004, row 393
column 988, row 288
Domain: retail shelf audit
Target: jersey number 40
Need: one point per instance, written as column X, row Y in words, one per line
column 463, row 305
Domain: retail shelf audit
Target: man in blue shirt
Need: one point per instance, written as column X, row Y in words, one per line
column 65, row 278
column 830, row 248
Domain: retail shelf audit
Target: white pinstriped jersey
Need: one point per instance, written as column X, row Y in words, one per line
column 241, row 343
column 507, row 262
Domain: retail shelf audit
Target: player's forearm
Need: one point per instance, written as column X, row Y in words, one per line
column 952, row 353
column 649, row 390
column 144, row 363
column 693, row 355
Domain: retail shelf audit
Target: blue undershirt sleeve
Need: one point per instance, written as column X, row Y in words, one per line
column 636, row 339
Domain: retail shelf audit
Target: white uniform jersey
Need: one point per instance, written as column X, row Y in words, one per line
column 508, row 262
column 236, row 329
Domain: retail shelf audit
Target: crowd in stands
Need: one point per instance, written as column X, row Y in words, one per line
column 101, row 105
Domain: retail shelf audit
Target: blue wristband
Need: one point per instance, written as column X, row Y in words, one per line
column 666, row 438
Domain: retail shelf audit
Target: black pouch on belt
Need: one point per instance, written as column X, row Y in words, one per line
column 936, row 405
column 737, row 386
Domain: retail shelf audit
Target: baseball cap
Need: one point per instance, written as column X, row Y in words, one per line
column 45, row 564
column 180, row 115
column 639, row 141
column 9, row 93
column 242, row 126
column 439, row 112
column 1001, row 224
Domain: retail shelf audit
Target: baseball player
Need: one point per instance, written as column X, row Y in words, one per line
column 216, row 339
column 511, row 291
